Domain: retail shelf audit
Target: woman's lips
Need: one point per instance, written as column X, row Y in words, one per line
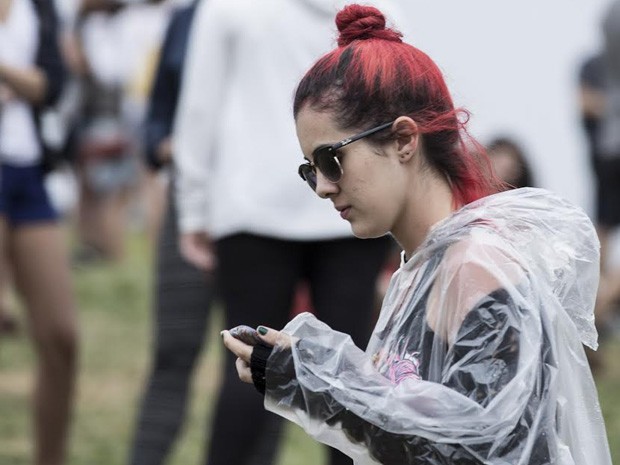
column 344, row 213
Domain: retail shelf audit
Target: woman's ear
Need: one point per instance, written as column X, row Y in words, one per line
column 407, row 137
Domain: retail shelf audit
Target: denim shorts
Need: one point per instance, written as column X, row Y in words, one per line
column 23, row 197
column 107, row 176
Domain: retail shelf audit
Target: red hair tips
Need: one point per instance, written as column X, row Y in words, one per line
column 374, row 77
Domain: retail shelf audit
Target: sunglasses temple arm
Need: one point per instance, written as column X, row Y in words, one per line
column 361, row 135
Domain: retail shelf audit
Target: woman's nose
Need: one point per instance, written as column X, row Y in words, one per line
column 325, row 188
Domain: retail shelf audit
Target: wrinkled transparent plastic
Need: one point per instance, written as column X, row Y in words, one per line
column 477, row 356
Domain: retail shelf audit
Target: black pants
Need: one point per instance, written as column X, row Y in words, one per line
column 182, row 300
column 257, row 278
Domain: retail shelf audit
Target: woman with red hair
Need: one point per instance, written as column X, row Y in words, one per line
column 477, row 355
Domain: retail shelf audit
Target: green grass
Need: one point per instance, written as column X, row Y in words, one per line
column 114, row 310
column 115, row 321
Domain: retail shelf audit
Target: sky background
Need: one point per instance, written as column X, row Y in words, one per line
column 514, row 65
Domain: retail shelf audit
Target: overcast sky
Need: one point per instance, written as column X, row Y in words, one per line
column 514, row 65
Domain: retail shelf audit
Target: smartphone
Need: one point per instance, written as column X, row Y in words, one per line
column 245, row 334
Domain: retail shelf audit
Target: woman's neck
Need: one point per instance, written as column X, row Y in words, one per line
column 429, row 202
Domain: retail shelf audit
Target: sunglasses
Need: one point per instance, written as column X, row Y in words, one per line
column 326, row 158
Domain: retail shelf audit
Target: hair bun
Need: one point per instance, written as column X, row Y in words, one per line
column 358, row 22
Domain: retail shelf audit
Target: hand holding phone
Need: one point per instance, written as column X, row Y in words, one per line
column 245, row 334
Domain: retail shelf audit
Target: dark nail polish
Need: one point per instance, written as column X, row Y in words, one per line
column 262, row 330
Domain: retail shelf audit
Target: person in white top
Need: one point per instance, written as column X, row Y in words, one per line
column 31, row 77
column 242, row 211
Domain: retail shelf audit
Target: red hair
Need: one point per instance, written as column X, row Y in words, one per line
column 374, row 77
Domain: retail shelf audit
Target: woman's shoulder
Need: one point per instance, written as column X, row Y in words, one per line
column 479, row 264
column 480, row 246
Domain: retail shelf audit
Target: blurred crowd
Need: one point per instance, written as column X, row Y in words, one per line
column 149, row 115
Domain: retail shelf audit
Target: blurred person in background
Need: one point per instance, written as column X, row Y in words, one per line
column 118, row 44
column 183, row 294
column 510, row 163
column 31, row 79
column 243, row 213
column 599, row 79
column 105, row 166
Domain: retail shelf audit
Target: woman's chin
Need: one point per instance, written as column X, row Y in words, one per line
column 365, row 231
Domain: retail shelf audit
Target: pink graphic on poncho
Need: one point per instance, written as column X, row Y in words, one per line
column 403, row 368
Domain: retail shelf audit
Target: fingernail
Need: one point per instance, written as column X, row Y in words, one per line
column 222, row 333
column 262, row 330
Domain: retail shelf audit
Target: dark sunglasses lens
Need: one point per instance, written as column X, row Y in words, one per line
column 307, row 173
column 326, row 162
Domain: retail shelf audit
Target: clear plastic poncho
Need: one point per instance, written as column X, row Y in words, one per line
column 477, row 356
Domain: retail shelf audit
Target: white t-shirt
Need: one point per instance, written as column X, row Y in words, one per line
column 19, row 143
column 235, row 147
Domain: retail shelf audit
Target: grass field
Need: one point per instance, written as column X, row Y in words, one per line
column 114, row 314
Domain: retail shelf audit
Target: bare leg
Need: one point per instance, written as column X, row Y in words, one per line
column 43, row 279
column 113, row 222
column 609, row 287
column 86, row 212
column 153, row 200
column 8, row 323
column 102, row 217
column 4, row 273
